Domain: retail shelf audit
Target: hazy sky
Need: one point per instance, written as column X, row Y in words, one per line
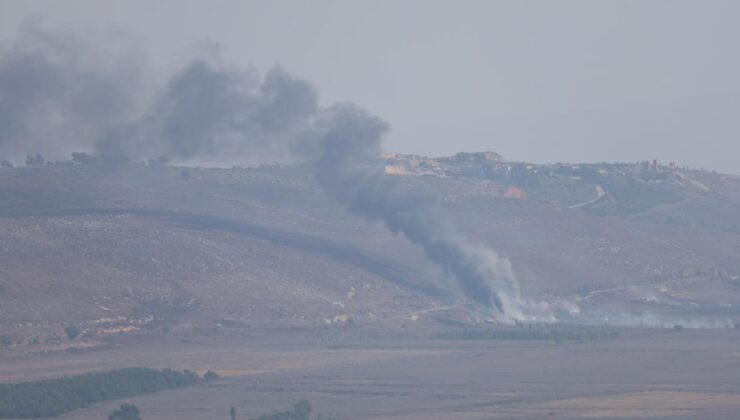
column 538, row 81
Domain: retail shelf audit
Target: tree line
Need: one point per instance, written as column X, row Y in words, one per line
column 52, row 397
column 301, row 411
column 556, row 335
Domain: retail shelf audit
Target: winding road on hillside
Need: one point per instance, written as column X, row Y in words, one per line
column 599, row 193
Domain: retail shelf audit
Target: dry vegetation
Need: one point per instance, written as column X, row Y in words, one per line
column 259, row 275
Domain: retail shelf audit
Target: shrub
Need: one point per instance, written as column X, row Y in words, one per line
column 72, row 331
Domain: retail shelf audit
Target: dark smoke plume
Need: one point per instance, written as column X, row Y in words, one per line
column 59, row 93
column 210, row 112
column 349, row 146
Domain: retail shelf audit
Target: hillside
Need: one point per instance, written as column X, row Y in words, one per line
column 119, row 249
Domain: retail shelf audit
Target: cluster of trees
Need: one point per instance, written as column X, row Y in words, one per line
column 126, row 412
column 301, row 411
column 34, row 160
column 56, row 396
column 84, row 159
column 556, row 335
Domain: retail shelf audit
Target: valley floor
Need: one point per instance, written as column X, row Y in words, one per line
column 364, row 373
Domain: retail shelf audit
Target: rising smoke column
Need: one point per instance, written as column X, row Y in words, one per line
column 209, row 110
column 56, row 97
column 346, row 165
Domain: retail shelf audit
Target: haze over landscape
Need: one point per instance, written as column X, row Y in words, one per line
column 196, row 209
column 565, row 81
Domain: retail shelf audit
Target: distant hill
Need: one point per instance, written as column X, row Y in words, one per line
column 117, row 249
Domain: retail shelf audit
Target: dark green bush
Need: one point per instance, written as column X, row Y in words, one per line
column 72, row 332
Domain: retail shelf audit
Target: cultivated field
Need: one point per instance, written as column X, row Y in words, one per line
column 364, row 373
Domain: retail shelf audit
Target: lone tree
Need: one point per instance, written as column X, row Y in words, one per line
column 72, row 332
column 126, row 412
column 302, row 410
